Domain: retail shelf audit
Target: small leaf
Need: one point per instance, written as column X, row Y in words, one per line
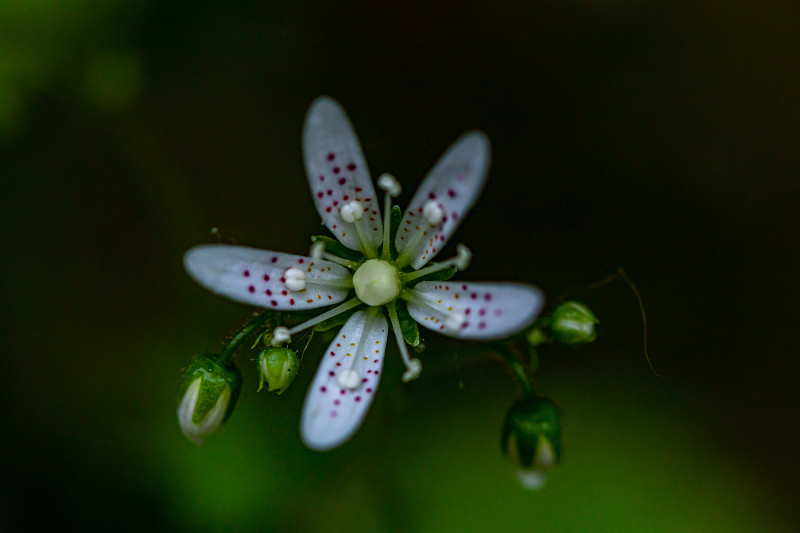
column 336, row 248
column 408, row 326
column 396, row 218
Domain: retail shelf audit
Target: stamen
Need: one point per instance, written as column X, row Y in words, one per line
column 351, row 211
column 317, row 249
column 348, row 379
column 460, row 261
column 346, row 283
column 368, row 249
column 339, row 309
column 392, row 188
column 388, row 183
column 295, row 279
column 454, row 322
column 352, row 265
column 413, row 366
column 433, row 213
column 280, row 335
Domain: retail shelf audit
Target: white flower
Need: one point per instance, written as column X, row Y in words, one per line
column 350, row 369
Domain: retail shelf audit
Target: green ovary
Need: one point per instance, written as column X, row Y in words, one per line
column 376, row 282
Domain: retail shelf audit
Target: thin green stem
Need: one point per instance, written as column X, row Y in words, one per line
column 517, row 368
column 227, row 354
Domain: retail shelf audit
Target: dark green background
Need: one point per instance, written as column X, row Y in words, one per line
column 658, row 136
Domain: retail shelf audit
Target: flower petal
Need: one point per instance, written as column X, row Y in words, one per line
column 257, row 277
column 346, row 381
column 483, row 311
column 452, row 186
column 338, row 174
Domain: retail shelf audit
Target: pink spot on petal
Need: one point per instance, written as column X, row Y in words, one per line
column 333, row 414
column 247, row 273
column 451, row 193
column 351, row 167
column 266, row 277
column 331, row 156
column 336, row 170
column 322, row 178
column 251, row 288
column 333, row 354
column 474, row 295
column 498, row 312
column 357, row 398
column 274, row 259
column 320, row 194
column 331, row 373
column 291, row 301
column 337, row 401
column 481, row 325
column 342, row 181
column 432, row 196
column 323, row 389
column 368, row 391
column 487, row 296
column 268, row 292
column 342, row 392
column 301, row 260
column 274, row 303
column 328, row 209
column 482, row 312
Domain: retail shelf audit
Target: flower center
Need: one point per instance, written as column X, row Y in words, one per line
column 376, row 282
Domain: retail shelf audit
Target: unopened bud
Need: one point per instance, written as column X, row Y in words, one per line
column 573, row 324
column 278, row 368
column 208, row 394
column 532, row 437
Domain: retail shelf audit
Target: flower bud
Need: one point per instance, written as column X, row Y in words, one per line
column 532, row 436
column 208, row 395
column 572, row 323
column 278, row 367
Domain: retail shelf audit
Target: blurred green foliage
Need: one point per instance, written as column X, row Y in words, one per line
column 656, row 136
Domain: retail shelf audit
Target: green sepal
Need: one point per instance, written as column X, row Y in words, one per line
column 408, row 326
column 527, row 420
column 440, row 275
column 214, row 378
column 336, row 320
column 336, row 248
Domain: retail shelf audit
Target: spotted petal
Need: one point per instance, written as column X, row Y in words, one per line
column 452, row 186
column 346, row 381
column 257, row 277
column 482, row 311
column 338, row 174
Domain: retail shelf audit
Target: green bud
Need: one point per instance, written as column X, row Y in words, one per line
column 278, row 367
column 208, row 394
column 532, row 437
column 573, row 324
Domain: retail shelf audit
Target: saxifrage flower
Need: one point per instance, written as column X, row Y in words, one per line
column 379, row 266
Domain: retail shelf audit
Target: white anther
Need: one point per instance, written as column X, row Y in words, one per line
column 280, row 335
column 295, row 279
column 433, row 213
column 348, row 379
column 454, row 322
column 388, row 183
column 414, row 370
column 317, row 249
column 351, row 211
column 463, row 257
